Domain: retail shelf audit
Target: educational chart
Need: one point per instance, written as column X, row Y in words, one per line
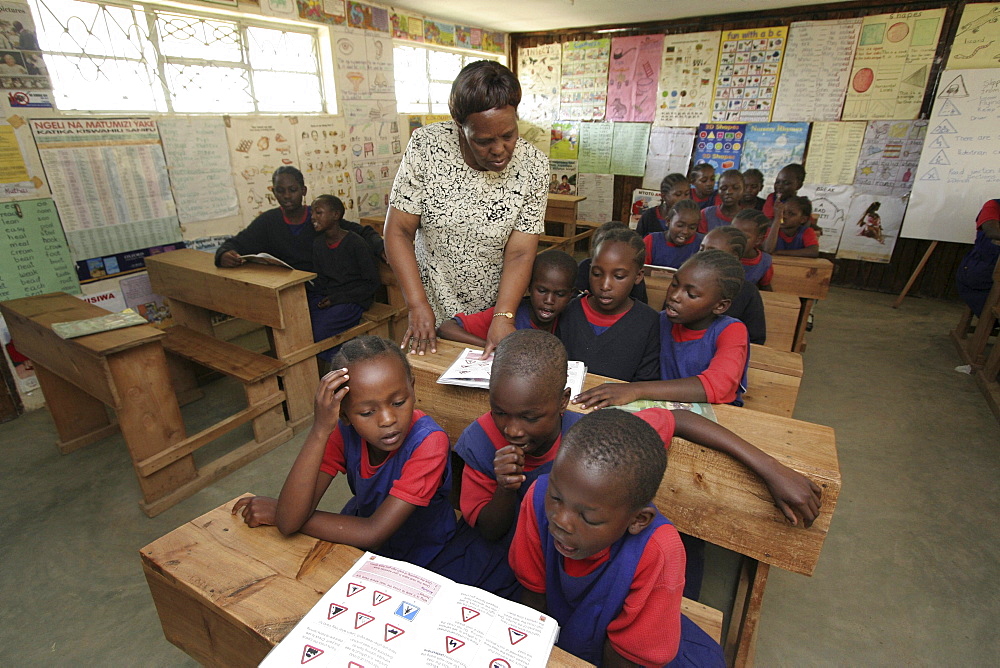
column 565, row 140
column 109, row 180
column 669, row 151
column 538, row 70
column 257, row 147
column 584, row 80
column 889, row 156
column 376, row 151
column 892, row 64
column 628, row 148
column 364, row 66
column 770, row 146
column 833, row 153
column 830, row 206
column 720, row 145
column 977, row 40
column 33, row 251
column 386, row 613
column 958, row 170
column 563, row 173
column 642, row 199
column 599, row 189
column 324, row 156
column 633, row 73
column 872, row 227
column 536, row 135
column 687, row 77
column 595, row 147
column 746, row 79
column 814, row 80
column 198, row 164
column 14, row 178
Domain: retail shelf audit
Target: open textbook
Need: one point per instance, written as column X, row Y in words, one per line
column 470, row 371
column 265, row 258
column 102, row 323
column 385, row 613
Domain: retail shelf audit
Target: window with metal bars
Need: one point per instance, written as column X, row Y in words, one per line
column 424, row 76
column 142, row 57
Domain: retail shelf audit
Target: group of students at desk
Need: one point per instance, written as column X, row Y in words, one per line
column 556, row 505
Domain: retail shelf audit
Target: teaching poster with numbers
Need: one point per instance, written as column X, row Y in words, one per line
column 958, row 169
column 687, row 78
column 746, row 79
column 977, row 40
column 198, row 163
column 814, row 80
column 33, row 251
column 386, row 613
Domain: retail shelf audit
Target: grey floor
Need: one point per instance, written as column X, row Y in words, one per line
column 908, row 575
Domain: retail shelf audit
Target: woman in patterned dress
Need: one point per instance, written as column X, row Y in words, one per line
column 466, row 209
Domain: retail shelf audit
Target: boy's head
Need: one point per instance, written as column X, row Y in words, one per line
column 553, row 277
column 796, row 212
column 752, row 223
column 731, row 188
column 327, row 212
column 528, row 391
column 702, row 178
column 753, row 183
column 789, row 180
column 598, row 236
column 614, row 270
column 607, row 471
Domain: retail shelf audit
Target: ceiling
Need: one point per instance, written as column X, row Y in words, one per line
column 536, row 15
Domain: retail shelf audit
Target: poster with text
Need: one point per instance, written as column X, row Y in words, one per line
column 257, row 147
column 565, row 143
column 324, row 156
column 889, row 156
column 720, row 145
column 584, row 81
column 770, row 146
column 892, row 65
column 596, row 140
column 872, row 227
column 746, row 79
column 830, row 206
column 977, row 40
column 198, row 164
column 633, row 73
column 669, row 152
column 642, row 199
column 376, row 150
column 687, row 79
column 833, row 152
column 814, row 80
column 33, row 251
column 599, row 189
column 538, row 70
column 630, row 142
column 563, row 177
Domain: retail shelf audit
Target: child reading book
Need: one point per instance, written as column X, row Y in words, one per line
column 583, row 271
column 680, row 241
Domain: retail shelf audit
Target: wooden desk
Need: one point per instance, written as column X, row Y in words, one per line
column 125, row 369
column 270, row 296
column 805, row 277
column 562, row 210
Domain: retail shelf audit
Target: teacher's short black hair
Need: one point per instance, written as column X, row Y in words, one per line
column 481, row 86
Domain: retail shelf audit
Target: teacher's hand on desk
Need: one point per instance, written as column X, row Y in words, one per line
column 420, row 335
column 230, row 259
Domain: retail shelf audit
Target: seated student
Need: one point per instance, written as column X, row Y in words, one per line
column 583, row 270
column 613, row 334
column 592, row 552
column 791, row 232
column 747, row 306
column 756, row 263
column 704, row 354
column 730, row 192
column 753, row 183
column 975, row 273
column 702, row 179
column 549, row 292
column 786, row 185
column 287, row 231
column 397, row 461
column 680, row 241
column 347, row 274
column 673, row 188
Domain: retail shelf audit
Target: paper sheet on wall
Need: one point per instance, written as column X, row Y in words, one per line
column 198, row 164
column 324, row 156
column 669, row 152
column 366, row 111
column 642, row 199
column 286, row 9
column 538, row 70
column 833, row 152
column 596, row 140
column 23, row 67
column 687, row 79
column 376, row 151
column 771, row 146
column 892, row 64
column 33, row 251
column 536, row 135
column 565, row 140
column 872, row 227
column 830, row 206
column 958, row 169
column 746, row 79
column 889, row 156
column 563, row 177
column 599, row 189
column 719, row 145
column 628, row 148
column 584, row 80
column 109, row 180
column 633, row 73
column 17, row 149
column 257, row 147
column 814, row 80
column 977, row 40
column 364, row 68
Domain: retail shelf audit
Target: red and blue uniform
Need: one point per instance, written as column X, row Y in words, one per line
column 651, row 221
column 711, row 218
column 712, row 200
column 478, row 324
column 664, row 253
column 975, row 274
column 804, row 237
column 758, row 270
column 719, row 357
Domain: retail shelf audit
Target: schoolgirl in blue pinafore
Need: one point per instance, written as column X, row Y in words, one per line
column 665, row 254
column 975, row 274
column 796, row 242
column 755, row 272
column 685, row 359
column 585, row 606
column 428, row 528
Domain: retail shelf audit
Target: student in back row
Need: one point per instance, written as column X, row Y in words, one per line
column 702, row 178
column 747, row 306
column 673, row 188
column 791, row 232
column 680, row 241
column 730, row 192
column 756, row 263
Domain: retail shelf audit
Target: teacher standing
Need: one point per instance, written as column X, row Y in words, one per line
column 466, row 209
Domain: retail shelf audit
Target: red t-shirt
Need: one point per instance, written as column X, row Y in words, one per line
column 768, row 208
column 754, row 261
column 701, row 200
column 477, row 324
column 809, row 237
column 722, row 378
column 990, row 211
column 421, row 475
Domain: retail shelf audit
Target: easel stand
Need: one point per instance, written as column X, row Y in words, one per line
column 916, row 273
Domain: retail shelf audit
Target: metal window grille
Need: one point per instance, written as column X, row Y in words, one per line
column 424, row 76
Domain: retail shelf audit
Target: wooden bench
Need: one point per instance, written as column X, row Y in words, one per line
column 704, row 492
column 808, row 279
column 773, row 378
column 988, row 377
column 226, row 593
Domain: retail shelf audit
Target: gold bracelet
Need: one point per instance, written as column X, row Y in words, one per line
column 504, row 314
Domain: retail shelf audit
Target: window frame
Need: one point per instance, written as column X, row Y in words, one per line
column 468, row 56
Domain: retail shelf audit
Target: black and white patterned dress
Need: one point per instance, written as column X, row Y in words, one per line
column 466, row 216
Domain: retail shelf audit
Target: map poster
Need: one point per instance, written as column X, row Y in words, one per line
column 720, row 145
column 687, row 77
column 746, row 79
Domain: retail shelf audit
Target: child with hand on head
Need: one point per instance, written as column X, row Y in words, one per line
column 747, row 306
column 704, row 354
column 756, row 263
column 791, row 232
column 347, row 274
column 673, row 188
column 549, row 292
column 396, row 459
column 730, row 192
column 702, row 179
column 583, row 270
column 786, row 185
column 680, row 241
column 613, row 334
column 753, row 183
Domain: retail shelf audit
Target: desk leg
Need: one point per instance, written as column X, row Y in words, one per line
column 742, row 638
column 149, row 417
column 80, row 419
column 800, row 327
column 301, row 379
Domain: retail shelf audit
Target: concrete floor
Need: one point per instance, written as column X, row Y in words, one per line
column 908, row 575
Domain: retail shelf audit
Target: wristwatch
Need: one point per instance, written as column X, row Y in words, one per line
column 504, row 314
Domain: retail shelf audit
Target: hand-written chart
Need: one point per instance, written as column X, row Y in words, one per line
column 833, row 152
column 958, row 167
column 977, row 40
column 33, row 251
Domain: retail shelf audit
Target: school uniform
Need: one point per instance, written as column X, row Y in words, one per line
column 418, row 472
column 804, row 237
column 759, row 270
column 629, row 593
column 625, row 347
column 748, row 308
column 711, row 218
column 768, row 208
column 651, row 221
column 975, row 274
column 583, row 282
column 719, row 356
column 664, row 253
column 757, row 203
column 478, row 324
column 712, row 200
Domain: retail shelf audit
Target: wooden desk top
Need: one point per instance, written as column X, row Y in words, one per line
column 565, row 200
column 807, row 277
column 256, row 274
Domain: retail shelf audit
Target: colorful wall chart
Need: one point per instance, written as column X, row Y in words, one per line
column 376, row 151
column 633, row 73
column 770, row 146
column 747, row 76
column 584, row 81
column 257, row 147
column 889, row 156
column 565, row 140
column 538, row 70
column 563, row 177
column 833, row 152
column 33, row 251
column 324, row 156
column 595, row 147
column 720, row 145
column 687, row 78
column 977, row 40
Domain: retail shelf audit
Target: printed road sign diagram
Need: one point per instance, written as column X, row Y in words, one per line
column 407, row 611
column 392, row 632
column 309, row 653
column 361, row 619
column 452, row 643
column 353, row 588
column 379, row 597
column 468, row 614
column 335, row 609
column 516, row 636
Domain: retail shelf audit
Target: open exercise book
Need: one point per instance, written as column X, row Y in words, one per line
column 470, row 371
column 265, row 258
column 385, row 612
